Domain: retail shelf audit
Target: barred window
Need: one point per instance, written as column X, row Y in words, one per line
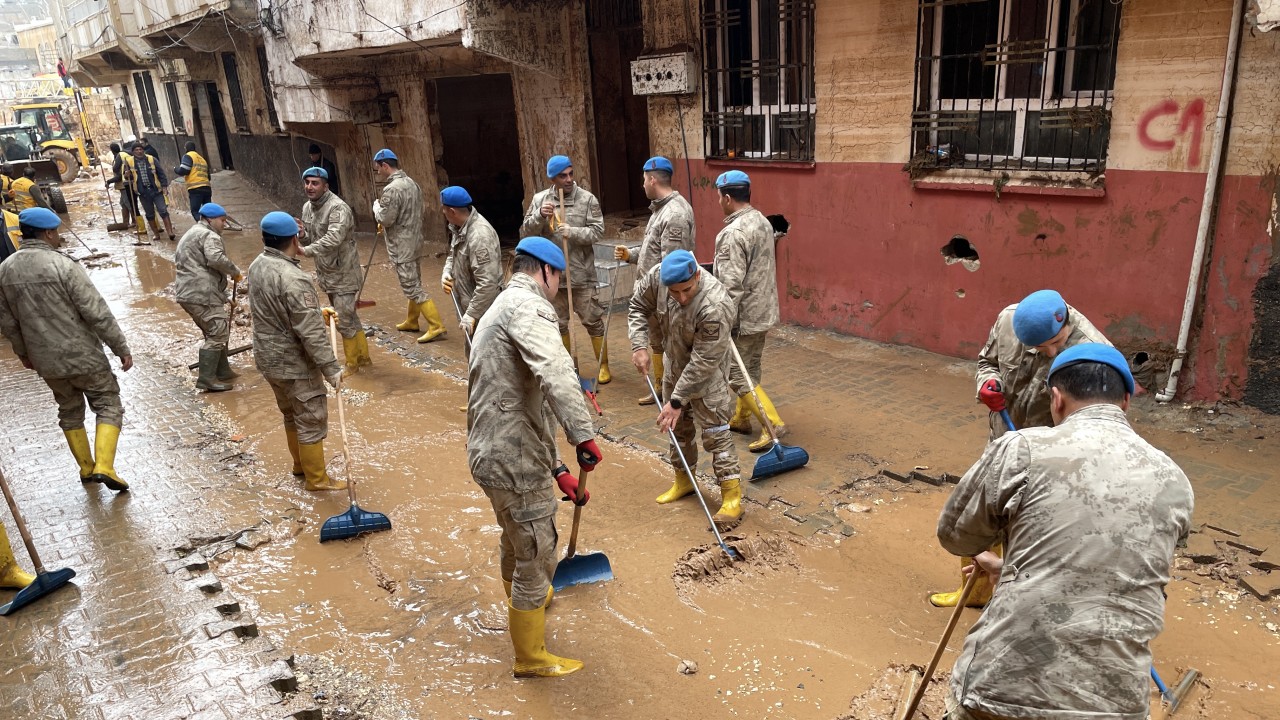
column 147, row 104
column 235, row 96
column 175, row 108
column 1014, row 84
column 758, row 99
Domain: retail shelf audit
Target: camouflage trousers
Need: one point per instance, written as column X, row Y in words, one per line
column 213, row 322
column 410, row 276
column 956, row 711
column 348, row 321
column 304, row 405
column 527, row 548
column 710, row 413
column 751, row 348
column 102, row 392
column 585, row 305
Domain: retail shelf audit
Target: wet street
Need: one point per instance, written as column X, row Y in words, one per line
column 204, row 592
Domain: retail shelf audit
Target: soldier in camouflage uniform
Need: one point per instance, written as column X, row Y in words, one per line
column 745, row 263
column 695, row 314
column 399, row 211
column 670, row 228
column 291, row 347
column 1012, row 368
column 1091, row 514
column 521, row 380
column 202, row 268
column 327, row 234
column 57, row 323
column 581, row 228
column 474, row 265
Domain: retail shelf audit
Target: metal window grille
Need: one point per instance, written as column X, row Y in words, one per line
column 613, row 14
column 147, row 104
column 175, row 108
column 266, row 88
column 1014, row 84
column 236, row 97
column 758, row 98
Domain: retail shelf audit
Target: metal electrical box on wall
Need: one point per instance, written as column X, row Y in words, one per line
column 672, row 74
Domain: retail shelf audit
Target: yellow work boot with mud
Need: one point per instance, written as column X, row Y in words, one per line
column 681, row 487
column 551, row 592
column 11, row 576
column 765, row 441
column 362, row 350
column 528, row 637
column 730, row 512
column 318, row 480
column 291, row 436
column 351, row 353
column 435, row 326
column 105, row 438
column 602, row 357
column 410, row 323
column 741, row 420
column 979, row 596
column 656, row 360
column 78, row 441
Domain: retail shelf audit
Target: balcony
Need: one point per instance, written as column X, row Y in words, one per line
column 89, row 28
column 336, row 28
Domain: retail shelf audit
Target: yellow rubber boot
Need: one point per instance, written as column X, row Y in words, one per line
column 602, row 356
column 105, row 438
column 528, row 637
column 656, row 362
column 312, row 457
column 11, row 576
column 410, row 323
column 765, row 441
column 978, row 597
column 78, row 441
column 551, row 592
column 362, row 350
column 730, row 512
column 741, row 420
column 680, row 488
column 435, row 326
column 351, row 351
column 292, row 437
column 564, row 338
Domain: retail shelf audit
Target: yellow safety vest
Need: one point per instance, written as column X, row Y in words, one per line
column 133, row 172
column 22, row 194
column 199, row 175
column 11, row 227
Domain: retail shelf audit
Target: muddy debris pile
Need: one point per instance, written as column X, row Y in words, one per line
column 344, row 694
column 890, row 694
column 1222, row 554
column 759, row 555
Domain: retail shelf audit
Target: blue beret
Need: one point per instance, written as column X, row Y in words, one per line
column 1094, row 352
column 1039, row 317
column 733, row 177
column 39, row 218
column 212, row 210
column 658, row 163
column 280, row 224
column 557, row 165
column 677, row 267
column 455, row 197
column 542, row 249
column 316, row 172
column 384, row 154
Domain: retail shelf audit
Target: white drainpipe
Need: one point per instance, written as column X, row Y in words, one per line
column 1210, row 195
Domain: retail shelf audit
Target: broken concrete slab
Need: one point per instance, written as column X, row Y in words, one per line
column 1202, row 549
column 1264, row 586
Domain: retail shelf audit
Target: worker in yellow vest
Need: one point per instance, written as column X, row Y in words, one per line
column 6, row 184
column 149, row 184
column 11, row 239
column 26, row 193
column 196, row 171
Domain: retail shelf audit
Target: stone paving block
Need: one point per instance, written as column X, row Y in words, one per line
column 1202, row 549
column 208, row 583
column 194, row 561
column 241, row 628
column 1263, row 586
column 797, row 513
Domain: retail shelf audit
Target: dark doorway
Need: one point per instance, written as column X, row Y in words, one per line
column 477, row 117
column 616, row 38
column 219, row 126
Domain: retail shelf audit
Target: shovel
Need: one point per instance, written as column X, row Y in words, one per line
column 355, row 520
column 46, row 581
column 93, row 252
column 942, row 644
column 580, row 569
column 781, row 458
column 604, row 346
column 369, row 303
column 557, row 221
column 466, row 334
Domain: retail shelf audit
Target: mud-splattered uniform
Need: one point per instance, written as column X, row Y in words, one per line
column 475, row 264
column 401, row 218
column 330, row 240
column 202, row 268
column 670, row 227
column 586, row 228
column 745, row 264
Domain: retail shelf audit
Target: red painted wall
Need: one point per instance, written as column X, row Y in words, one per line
column 864, row 258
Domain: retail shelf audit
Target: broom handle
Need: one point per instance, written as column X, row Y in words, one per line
column 577, row 515
column 942, row 644
column 568, row 283
column 342, row 415
column 608, row 315
column 764, row 416
column 372, row 251
column 22, row 525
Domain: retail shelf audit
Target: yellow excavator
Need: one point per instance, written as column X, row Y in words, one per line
column 56, row 139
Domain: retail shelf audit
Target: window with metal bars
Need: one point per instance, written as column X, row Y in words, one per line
column 147, row 105
column 757, row 96
column 1014, row 84
column 266, row 88
column 175, row 108
column 235, row 96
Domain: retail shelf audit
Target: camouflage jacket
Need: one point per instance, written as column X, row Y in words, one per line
column 696, row 335
column 586, row 228
column 745, row 264
column 1022, row 370
column 401, row 217
column 520, row 381
column 202, row 267
column 670, row 228
column 475, row 264
column 1090, row 514
column 53, row 315
column 290, row 341
column 330, row 239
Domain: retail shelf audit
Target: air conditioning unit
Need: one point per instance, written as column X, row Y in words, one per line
column 670, row 74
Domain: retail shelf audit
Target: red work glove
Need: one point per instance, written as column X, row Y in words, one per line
column 588, row 456
column 569, row 486
column 990, row 394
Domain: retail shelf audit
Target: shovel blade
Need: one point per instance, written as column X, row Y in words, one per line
column 352, row 523
column 582, row 569
column 45, row 583
column 117, row 227
column 779, row 459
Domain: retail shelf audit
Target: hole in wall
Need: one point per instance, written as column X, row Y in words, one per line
column 960, row 293
column 1041, row 237
column 960, row 250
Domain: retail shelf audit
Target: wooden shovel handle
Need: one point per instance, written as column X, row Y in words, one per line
column 577, row 516
column 942, row 644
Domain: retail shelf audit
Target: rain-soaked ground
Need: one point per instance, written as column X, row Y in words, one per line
column 412, row 623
